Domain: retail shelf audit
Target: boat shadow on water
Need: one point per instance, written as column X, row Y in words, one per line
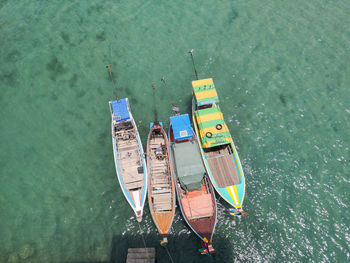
column 183, row 248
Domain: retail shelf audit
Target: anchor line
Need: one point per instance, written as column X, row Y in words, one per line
column 109, row 66
column 143, row 239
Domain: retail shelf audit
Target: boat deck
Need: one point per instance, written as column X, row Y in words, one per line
column 223, row 167
column 197, row 204
column 161, row 185
column 129, row 159
column 161, row 196
column 199, row 209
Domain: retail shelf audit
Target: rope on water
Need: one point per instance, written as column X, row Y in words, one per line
column 194, row 66
column 169, row 254
column 109, row 66
column 143, row 239
column 155, row 105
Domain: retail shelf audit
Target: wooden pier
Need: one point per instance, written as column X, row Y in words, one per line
column 141, row 255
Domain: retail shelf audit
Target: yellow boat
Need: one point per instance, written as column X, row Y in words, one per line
column 218, row 150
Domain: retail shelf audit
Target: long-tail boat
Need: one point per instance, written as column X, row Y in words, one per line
column 195, row 193
column 161, row 192
column 217, row 147
column 129, row 159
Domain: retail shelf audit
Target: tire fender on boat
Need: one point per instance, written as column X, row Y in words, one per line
column 218, row 126
column 209, row 134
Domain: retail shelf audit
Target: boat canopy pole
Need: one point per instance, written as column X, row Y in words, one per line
column 109, row 66
column 155, row 107
column 194, row 66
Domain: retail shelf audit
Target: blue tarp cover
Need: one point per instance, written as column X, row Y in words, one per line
column 120, row 110
column 181, row 127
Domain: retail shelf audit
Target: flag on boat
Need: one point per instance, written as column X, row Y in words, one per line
column 234, row 212
column 204, row 251
column 164, row 242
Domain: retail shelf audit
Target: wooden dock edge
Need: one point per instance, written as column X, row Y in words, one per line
column 141, row 255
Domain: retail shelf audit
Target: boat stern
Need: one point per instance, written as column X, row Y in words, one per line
column 139, row 216
column 233, row 194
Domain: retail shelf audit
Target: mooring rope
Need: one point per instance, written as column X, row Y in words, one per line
column 194, row 66
column 155, row 105
column 169, row 254
column 143, row 239
column 109, row 66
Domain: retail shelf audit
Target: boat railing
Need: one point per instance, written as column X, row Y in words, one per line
column 206, row 184
column 229, row 149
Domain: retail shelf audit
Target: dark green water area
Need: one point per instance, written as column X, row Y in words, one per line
column 282, row 71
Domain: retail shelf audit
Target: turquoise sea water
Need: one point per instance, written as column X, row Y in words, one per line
column 282, row 70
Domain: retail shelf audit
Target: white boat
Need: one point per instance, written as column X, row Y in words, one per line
column 129, row 159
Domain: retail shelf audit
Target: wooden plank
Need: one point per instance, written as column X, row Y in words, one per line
column 164, row 219
column 160, row 180
column 155, row 192
column 162, row 198
column 224, row 171
column 160, row 185
column 133, row 179
column 162, row 207
column 134, row 185
column 155, row 167
column 140, row 255
column 160, row 176
column 159, row 169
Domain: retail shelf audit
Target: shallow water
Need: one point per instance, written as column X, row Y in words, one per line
column 282, row 72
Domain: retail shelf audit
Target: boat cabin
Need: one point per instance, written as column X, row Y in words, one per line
column 188, row 161
column 120, row 110
column 213, row 130
column 123, row 125
column 181, row 129
column 204, row 93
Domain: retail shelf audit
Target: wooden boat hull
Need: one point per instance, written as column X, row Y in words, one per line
column 203, row 227
column 162, row 216
column 135, row 198
column 233, row 193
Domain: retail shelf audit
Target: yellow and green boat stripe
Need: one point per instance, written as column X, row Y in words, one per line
column 214, row 116
column 204, row 91
column 206, row 94
column 202, row 82
column 212, row 123
column 213, row 130
column 233, row 194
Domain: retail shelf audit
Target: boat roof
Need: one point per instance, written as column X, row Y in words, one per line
column 120, row 110
column 213, row 130
column 204, row 91
column 181, row 127
column 189, row 165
